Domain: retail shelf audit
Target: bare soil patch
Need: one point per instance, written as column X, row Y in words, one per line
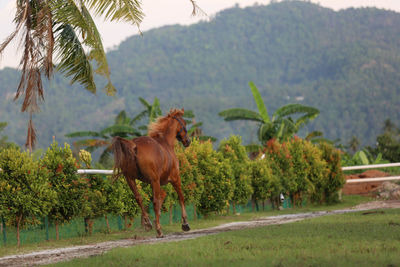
column 65, row 254
column 364, row 188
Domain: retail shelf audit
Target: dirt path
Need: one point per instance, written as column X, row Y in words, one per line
column 65, row 254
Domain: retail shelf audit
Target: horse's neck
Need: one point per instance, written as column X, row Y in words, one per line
column 168, row 138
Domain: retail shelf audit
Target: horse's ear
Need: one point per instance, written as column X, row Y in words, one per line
column 183, row 110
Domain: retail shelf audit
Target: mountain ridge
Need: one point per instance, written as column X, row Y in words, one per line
column 343, row 62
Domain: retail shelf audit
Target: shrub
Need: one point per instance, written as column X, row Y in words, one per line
column 233, row 151
column 214, row 171
column 281, row 164
column 25, row 191
column 63, row 178
column 334, row 178
column 266, row 185
column 192, row 182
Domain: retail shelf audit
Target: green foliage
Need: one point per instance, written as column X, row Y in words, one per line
column 280, row 161
column 388, row 143
column 63, row 179
column 123, row 127
column 334, row 180
column 215, row 174
column 306, row 170
column 25, row 190
column 316, row 168
column 301, row 53
column 233, row 151
column 191, row 177
column 3, row 138
column 266, row 184
column 281, row 126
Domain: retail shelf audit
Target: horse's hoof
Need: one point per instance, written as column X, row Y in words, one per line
column 160, row 236
column 148, row 227
column 185, row 227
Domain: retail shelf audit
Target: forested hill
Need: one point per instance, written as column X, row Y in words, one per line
column 345, row 63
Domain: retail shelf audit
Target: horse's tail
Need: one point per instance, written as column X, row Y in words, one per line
column 124, row 155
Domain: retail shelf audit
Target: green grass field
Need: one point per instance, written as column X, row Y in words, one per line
column 354, row 239
column 348, row 201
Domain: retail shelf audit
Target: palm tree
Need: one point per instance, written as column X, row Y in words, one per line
column 64, row 30
column 280, row 126
column 123, row 126
column 353, row 144
column 151, row 110
column 194, row 129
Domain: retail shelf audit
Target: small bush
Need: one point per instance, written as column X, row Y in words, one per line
column 233, row 151
column 25, row 190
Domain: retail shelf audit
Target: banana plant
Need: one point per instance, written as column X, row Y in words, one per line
column 281, row 125
column 123, row 126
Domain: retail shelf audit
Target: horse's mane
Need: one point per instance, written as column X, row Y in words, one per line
column 159, row 127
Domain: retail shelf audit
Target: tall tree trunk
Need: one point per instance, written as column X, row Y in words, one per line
column 194, row 212
column 234, row 208
column 91, row 227
column 19, row 218
column 126, row 222
column 108, row 225
column 170, row 214
column 57, row 233
column 88, row 226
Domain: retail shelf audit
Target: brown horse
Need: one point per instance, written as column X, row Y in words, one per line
column 152, row 159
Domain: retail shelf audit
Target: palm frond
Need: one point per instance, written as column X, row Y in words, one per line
column 105, row 155
column 97, row 53
column 313, row 135
column 84, row 134
column 73, row 60
column 260, row 103
column 266, row 132
column 240, row 114
column 292, row 109
column 145, row 103
column 188, row 114
column 138, row 117
column 155, row 110
column 118, row 10
column 120, row 130
column 120, row 118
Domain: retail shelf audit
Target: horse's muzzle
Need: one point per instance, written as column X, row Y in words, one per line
column 187, row 142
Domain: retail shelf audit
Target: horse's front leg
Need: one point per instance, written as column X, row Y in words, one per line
column 157, row 197
column 145, row 216
column 177, row 185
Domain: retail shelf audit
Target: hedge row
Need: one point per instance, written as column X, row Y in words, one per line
column 212, row 180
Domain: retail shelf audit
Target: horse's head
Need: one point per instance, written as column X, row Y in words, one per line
column 181, row 132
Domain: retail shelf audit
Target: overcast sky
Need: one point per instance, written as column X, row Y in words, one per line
column 165, row 12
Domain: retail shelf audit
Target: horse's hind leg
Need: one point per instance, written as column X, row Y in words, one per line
column 178, row 189
column 145, row 216
column 158, row 197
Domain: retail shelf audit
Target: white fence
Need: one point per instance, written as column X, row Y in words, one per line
column 361, row 167
column 372, row 166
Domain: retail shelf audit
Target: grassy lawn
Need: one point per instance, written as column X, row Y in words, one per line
column 348, row 201
column 354, row 239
